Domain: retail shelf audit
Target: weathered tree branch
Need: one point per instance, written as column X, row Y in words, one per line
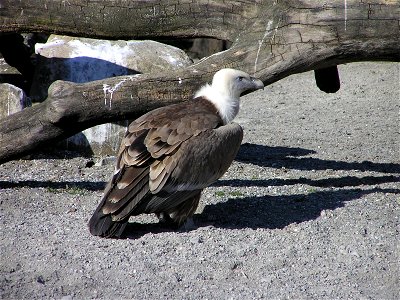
column 126, row 19
column 270, row 40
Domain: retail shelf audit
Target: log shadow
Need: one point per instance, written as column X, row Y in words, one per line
column 291, row 158
column 51, row 185
column 64, row 149
column 16, row 80
column 325, row 182
column 79, row 69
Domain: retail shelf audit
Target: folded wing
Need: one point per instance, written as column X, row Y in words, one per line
column 166, row 158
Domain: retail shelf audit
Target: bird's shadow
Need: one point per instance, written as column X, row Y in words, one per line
column 136, row 230
column 277, row 212
column 269, row 212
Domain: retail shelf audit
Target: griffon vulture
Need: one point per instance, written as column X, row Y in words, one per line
column 169, row 155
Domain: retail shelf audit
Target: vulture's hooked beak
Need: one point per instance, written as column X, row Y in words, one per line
column 257, row 83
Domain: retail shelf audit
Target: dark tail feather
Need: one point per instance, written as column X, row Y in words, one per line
column 102, row 225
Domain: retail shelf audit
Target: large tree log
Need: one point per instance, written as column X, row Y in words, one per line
column 271, row 40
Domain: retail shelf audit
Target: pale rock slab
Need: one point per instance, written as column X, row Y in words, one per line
column 82, row 60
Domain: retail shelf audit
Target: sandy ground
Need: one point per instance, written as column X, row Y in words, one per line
column 309, row 209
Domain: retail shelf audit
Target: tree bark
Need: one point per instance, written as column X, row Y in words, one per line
column 271, row 40
column 127, row 19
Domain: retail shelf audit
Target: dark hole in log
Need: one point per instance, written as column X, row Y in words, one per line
column 199, row 48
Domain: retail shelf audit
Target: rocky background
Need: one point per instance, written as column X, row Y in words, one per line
column 309, row 209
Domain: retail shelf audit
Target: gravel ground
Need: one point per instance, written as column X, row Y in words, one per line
column 309, row 209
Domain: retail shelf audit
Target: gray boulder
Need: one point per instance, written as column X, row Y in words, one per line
column 12, row 99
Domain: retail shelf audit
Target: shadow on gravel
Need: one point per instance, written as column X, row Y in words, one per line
column 272, row 212
column 290, row 158
column 277, row 212
column 82, row 185
column 326, row 182
column 136, row 230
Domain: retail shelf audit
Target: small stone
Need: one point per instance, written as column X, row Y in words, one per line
column 40, row 279
column 106, row 161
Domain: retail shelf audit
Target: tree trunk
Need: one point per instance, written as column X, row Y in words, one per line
column 271, row 40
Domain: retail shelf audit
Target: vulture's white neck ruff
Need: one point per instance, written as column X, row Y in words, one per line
column 227, row 104
column 225, row 90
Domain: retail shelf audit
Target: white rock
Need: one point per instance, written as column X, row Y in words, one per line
column 82, row 60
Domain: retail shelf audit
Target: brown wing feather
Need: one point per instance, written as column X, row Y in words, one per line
column 126, row 189
column 204, row 158
column 150, row 143
column 199, row 162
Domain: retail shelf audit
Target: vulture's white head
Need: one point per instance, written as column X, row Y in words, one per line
column 225, row 90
